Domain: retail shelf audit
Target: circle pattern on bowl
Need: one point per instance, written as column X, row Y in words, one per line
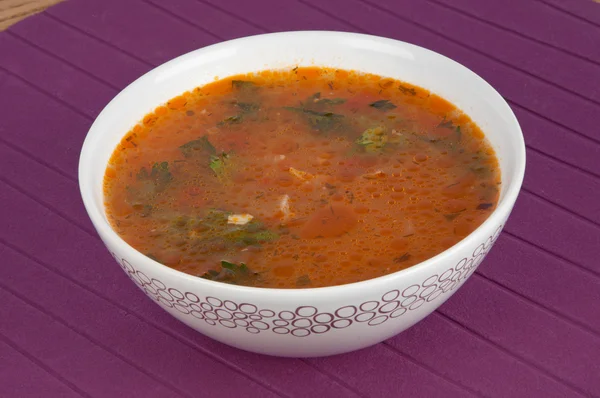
column 306, row 320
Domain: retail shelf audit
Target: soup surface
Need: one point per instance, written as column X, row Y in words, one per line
column 308, row 177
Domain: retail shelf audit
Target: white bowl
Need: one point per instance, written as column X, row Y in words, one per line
column 321, row 321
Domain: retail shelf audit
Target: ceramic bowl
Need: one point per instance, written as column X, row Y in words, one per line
column 319, row 321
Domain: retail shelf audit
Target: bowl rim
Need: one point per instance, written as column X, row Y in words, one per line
column 107, row 232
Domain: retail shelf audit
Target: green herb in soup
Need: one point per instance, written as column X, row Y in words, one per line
column 304, row 178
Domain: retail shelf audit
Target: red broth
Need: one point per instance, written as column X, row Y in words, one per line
column 303, row 178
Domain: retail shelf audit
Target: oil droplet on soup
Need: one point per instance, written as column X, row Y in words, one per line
column 309, row 177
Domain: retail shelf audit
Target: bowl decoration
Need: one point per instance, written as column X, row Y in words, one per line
column 316, row 321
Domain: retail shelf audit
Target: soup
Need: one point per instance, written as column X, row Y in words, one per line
column 308, row 177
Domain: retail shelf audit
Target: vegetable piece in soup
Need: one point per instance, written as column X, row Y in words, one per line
column 303, row 178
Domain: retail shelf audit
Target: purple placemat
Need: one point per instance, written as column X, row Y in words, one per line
column 527, row 324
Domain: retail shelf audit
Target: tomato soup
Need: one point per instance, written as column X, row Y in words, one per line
column 307, row 177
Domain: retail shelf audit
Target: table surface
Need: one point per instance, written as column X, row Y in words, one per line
column 527, row 324
column 12, row 11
